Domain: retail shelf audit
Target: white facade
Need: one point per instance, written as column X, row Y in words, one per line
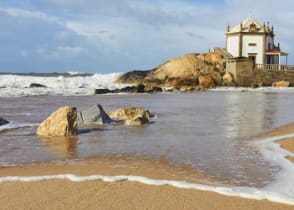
column 255, row 41
column 253, row 45
column 233, row 45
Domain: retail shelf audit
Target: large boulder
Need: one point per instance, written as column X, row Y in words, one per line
column 131, row 115
column 281, row 84
column 62, row 122
column 3, row 121
column 228, row 79
column 93, row 115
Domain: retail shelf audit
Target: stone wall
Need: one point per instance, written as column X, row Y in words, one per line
column 246, row 75
column 267, row 77
column 242, row 71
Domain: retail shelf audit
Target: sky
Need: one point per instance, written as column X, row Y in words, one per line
column 103, row 36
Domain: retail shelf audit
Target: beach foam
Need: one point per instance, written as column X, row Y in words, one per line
column 18, row 85
column 243, row 192
column 13, row 125
column 272, row 152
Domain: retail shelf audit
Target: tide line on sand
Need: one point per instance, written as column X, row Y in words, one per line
column 243, row 192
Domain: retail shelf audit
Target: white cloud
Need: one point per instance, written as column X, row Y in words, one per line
column 144, row 33
column 15, row 12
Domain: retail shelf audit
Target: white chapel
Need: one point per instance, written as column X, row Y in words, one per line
column 255, row 41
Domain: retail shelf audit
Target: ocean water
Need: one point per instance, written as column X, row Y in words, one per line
column 56, row 84
column 212, row 131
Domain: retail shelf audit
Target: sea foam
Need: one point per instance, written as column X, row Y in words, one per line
column 13, row 125
column 243, row 192
column 18, row 85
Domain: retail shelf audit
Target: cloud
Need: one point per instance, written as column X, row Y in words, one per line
column 15, row 12
column 61, row 51
column 117, row 35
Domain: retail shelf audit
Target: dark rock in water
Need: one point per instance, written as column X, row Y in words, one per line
column 36, row 85
column 102, row 91
column 140, row 88
column 3, row 121
column 153, row 89
column 133, row 89
column 93, row 115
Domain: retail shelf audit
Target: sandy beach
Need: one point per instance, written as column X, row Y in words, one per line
column 65, row 194
column 119, row 195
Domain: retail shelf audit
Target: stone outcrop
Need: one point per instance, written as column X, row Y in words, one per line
column 281, row 84
column 140, row 88
column 3, row 121
column 205, row 81
column 131, row 115
column 133, row 77
column 62, row 122
column 93, row 115
column 181, row 72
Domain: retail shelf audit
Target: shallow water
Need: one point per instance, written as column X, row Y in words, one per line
column 209, row 130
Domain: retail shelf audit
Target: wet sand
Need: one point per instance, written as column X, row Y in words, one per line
column 119, row 195
column 64, row 194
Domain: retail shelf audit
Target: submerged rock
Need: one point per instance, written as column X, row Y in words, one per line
column 93, row 115
column 3, row 121
column 62, row 122
column 131, row 115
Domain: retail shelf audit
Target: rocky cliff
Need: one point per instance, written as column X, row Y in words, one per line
column 181, row 72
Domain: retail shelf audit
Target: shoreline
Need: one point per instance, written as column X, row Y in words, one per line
column 286, row 143
column 142, row 181
column 145, row 184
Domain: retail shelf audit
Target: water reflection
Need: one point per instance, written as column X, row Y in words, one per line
column 247, row 116
column 64, row 145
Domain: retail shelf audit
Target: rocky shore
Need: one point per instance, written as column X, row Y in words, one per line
column 190, row 72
